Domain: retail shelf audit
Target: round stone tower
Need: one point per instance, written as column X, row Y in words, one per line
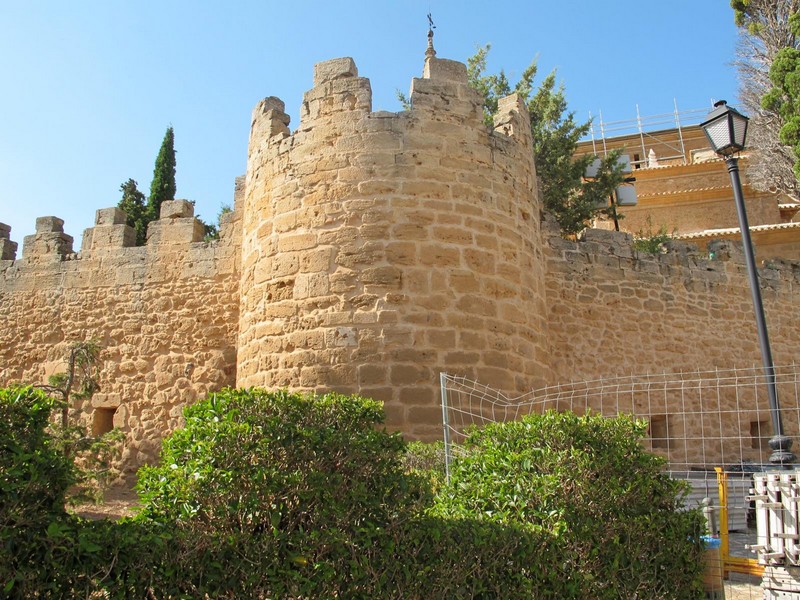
column 380, row 249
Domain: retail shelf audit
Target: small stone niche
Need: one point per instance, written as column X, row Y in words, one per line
column 659, row 431
column 103, row 420
column 759, row 435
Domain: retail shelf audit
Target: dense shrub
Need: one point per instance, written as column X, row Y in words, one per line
column 615, row 512
column 280, row 495
column 250, row 460
column 426, row 459
column 44, row 551
column 34, row 477
column 28, row 454
column 304, row 487
column 290, row 496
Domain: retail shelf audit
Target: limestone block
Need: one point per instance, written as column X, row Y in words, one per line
column 228, row 218
column 5, row 231
column 106, row 400
column 278, row 121
column 340, row 95
column 86, row 244
column 239, row 191
column 270, row 103
column 230, row 229
column 334, row 69
column 372, row 374
column 349, row 86
column 110, row 236
column 445, row 70
column 382, row 276
column 199, row 266
column 299, row 241
column 110, row 216
column 47, row 243
column 512, row 118
column 726, row 250
column 49, row 224
column 409, row 374
column 311, row 285
column 342, row 337
column 445, row 97
column 8, row 249
column 379, row 120
column 603, row 236
column 174, row 209
column 315, row 260
column 269, row 119
column 513, row 103
column 174, row 231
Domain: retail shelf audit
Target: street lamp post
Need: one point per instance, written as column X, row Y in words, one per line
column 726, row 129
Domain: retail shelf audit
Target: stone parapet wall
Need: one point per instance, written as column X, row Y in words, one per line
column 613, row 311
column 165, row 315
column 380, row 249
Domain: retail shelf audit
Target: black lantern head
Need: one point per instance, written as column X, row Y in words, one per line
column 726, row 129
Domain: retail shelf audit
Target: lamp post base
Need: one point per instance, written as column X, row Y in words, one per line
column 781, row 451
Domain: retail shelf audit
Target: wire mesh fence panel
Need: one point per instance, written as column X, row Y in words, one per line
column 697, row 420
column 712, row 426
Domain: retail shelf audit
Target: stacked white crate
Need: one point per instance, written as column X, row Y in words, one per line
column 776, row 496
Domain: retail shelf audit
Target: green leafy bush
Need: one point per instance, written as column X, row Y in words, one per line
column 94, row 459
column 44, row 552
column 280, row 495
column 34, row 473
column 253, row 460
column 34, row 477
column 587, row 480
column 302, row 486
column 289, row 496
column 426, row 459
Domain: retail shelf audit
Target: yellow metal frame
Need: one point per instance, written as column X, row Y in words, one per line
column 734, row 564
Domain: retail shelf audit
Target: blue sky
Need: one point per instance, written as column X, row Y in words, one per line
column 89, row 87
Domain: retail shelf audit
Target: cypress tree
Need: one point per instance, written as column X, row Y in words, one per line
column 163, row 185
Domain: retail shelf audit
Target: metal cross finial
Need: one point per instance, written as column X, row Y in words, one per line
column 430, row 51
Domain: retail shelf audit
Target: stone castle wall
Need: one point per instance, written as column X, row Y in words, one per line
column 165, row 315
column 613, row 311
column 380, row 249
column 368, row 252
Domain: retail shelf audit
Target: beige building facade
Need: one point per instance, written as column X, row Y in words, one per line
column 367, row 253
column 684, row 188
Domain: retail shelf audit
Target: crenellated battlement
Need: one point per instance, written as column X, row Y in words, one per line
column 613, row 309
column 359, row 224
column 49, row 242
column 8, row 249
column 341, row 103
column 177, row 230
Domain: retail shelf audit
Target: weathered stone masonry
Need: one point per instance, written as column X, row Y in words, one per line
column 165, row 314
column 367, row 252
column 379, row 249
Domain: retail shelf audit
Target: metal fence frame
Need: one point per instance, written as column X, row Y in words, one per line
column 705, row 422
